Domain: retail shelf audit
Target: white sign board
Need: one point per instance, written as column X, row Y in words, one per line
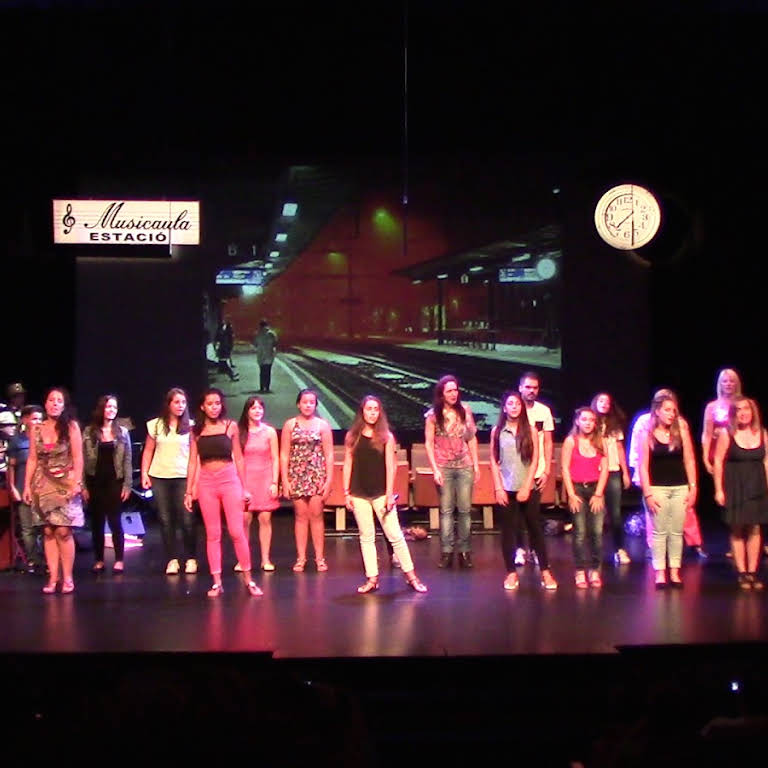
column 126, row 222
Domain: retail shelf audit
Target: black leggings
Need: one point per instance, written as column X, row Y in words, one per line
column 104, row 504
column 512, row 517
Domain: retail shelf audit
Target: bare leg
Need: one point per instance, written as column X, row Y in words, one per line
column 317, row 526
column 752, row 547
column 301, row 528
column 265, row 536
column 51, row 549
column 739, row 549
column 66, row 544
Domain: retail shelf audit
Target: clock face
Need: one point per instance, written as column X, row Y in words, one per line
column 627, row 217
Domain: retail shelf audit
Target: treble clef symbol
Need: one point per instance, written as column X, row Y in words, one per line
column 69, row 220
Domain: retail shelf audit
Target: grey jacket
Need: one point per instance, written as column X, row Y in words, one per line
column 123, row 458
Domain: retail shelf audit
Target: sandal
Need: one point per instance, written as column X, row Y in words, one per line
column 511, row 583
column 268, row 567
column 49, row 588
column 595, row 580
column 581, row 580
column 548, row 580
column 298, row 566
column 744, row 582
column 118, row 567
column 322, row 566
column 216, row 590
column 371, row 585
column 755, row 583
column 98, row 566
column 67, row 587
column 253, row 589
column 416, row 584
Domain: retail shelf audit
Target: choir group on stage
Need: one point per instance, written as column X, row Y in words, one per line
column 242, row 467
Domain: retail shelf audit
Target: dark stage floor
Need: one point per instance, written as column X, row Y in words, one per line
column 312, row 615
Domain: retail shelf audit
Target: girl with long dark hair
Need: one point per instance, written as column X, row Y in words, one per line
column 164, row 465
column 514, row 459
column 610, row 427
column 108, row 471
column 261, row 460
column 215, row 478
column 450, row 438
column 53, row 485
column 369, row 476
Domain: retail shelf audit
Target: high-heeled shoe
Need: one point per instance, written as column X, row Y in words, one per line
column 415, row 583
column 67, row 587
column 216, row 590
column 253, row 589
column 371, row 585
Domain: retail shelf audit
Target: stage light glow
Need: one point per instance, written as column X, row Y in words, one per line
column 274, row 254
column 281, row 237
column 546, row 268
column 442, row 276
column 385, row 222
column 476, row 269
column 290, row 209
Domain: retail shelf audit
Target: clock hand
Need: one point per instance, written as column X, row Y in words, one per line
column 618, row 226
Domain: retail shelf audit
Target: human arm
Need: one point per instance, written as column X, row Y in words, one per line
column 147, row 454
column 524, row 493
column 76, row 443
column 193, row 469
column 389, row 464
column 346, row 474
column 15, row 495
column 429, row 445
column 574, row 502
column 127, row 464
column 644, row 458
column 721, row 448
column 285, row 450
column 26, row 495
column 597, row 502
column 274, row 450
column 499, row 493
column 237, row 457
column 625, row 480
column 541, row 481
column 327, row 440
column 689, row 460
column 707, row 433
column 472, row 442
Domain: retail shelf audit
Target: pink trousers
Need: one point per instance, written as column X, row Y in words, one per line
column 217, row 489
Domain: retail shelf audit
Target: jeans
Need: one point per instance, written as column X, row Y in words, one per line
column 364, row 510
column 587, row 524
column 456, row 493
column 667, row 525
column 613, row 489
column 29, row 534
column 511, row 518
column 168, row 493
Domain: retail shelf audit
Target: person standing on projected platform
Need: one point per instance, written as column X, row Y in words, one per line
column 450, row 439
column 265, row 342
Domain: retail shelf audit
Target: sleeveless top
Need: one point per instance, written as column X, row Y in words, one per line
column 744, row 474
column 215, row 447
column 50, row 485
column 584, row 469
column 307, row 472
column 666, row 465
column 511, row 466
column 257, row 462
column 369, row 470
column 451, row 442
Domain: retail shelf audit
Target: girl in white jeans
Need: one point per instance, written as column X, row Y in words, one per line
column 369, row 476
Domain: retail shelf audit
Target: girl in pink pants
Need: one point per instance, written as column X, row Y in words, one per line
column 215, row 479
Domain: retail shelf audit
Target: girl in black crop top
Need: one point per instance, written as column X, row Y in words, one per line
column 369, row 476
column 216, row 479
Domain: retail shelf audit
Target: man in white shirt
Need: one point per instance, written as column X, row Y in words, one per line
column 539, row 416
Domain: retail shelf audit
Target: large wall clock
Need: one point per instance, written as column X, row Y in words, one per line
column 627, row 216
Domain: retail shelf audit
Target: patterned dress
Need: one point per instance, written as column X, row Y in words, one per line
column 307, row 472
column 51, row 483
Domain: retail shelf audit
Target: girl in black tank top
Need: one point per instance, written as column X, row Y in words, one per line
column 369, row 476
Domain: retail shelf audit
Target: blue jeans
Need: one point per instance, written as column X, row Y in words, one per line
column 587, row 523
column 667, row 525
column 29, row 534
column 456, row 493
column 613, row 489
column 168, row 493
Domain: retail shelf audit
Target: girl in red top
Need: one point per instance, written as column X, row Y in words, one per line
column 585, row 473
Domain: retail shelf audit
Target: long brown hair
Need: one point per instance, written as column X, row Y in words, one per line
column 438, row 401
column 182, row 425
column 67, row 415
column 523, row 438
column 612, row 422
column 575, row 433
column 755, row 424
column 97, row 415
column 244, row 422
column 380, row 428
column 675, row 438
